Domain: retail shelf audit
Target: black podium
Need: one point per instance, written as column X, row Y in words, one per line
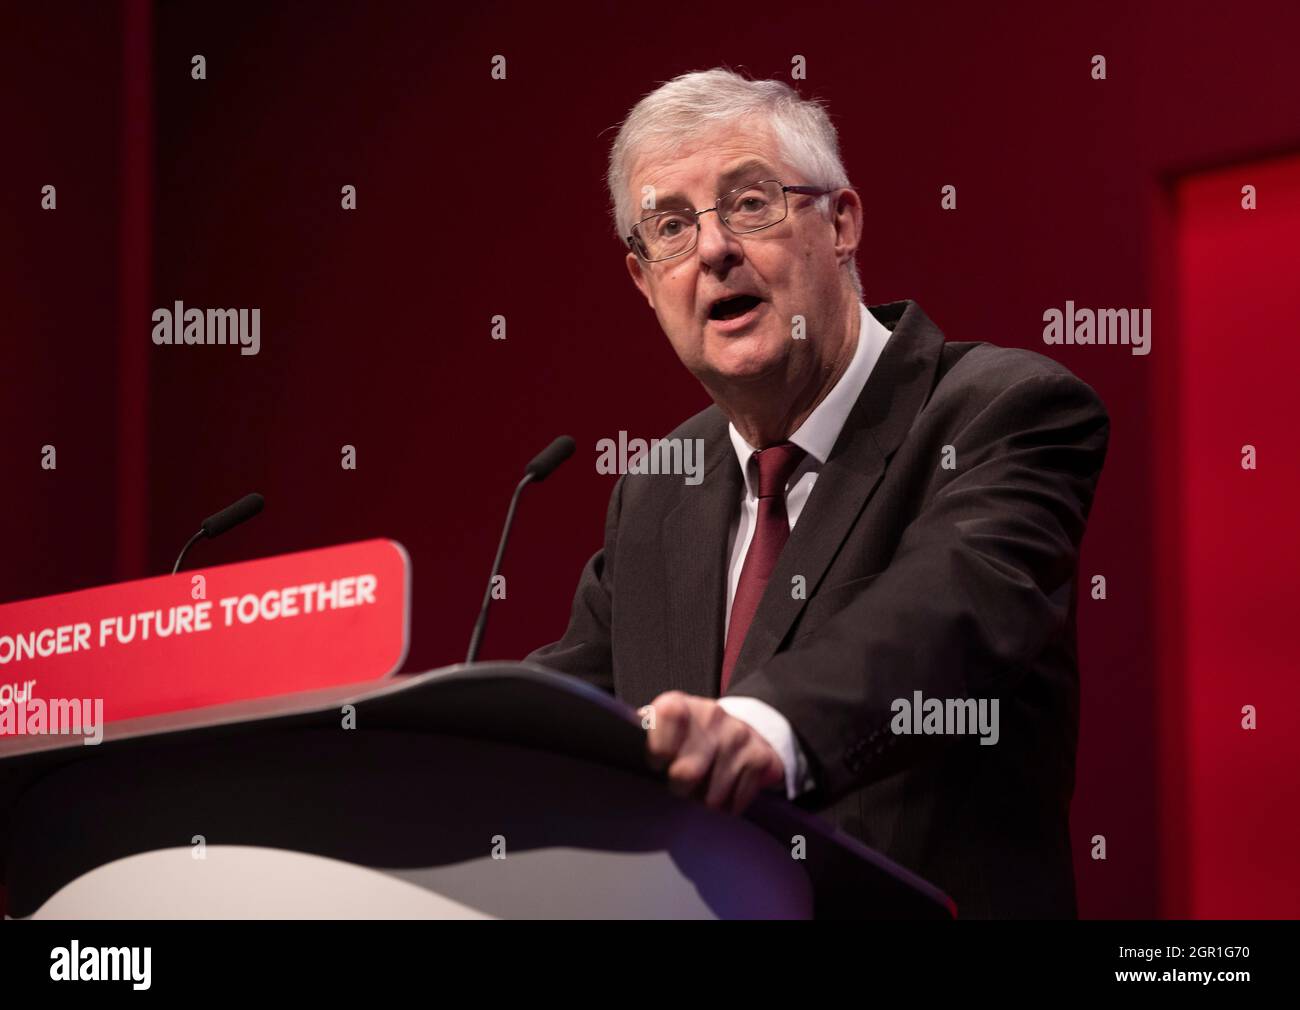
column 499, row 790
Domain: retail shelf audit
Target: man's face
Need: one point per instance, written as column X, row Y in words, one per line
column 793, row 268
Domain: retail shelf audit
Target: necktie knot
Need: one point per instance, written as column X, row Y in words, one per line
column 775, row 465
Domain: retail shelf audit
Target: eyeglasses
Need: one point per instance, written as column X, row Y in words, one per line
column 745, row 210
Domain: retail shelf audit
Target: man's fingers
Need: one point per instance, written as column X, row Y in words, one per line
column 670, row 729
column 709, row 754
column 687, row 773
column 734, row 740
column 747, row 787
column 756, row 768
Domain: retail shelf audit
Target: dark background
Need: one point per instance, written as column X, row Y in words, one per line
column 479, row 197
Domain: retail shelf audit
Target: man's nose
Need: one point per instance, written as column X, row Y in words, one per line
column 719, row 246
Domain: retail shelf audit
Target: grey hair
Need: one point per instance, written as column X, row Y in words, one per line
column 684, row 110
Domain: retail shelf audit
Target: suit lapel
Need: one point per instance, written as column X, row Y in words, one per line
column 895, row 392
column 695, row 535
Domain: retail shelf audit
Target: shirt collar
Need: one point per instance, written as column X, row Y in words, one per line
column 819, row 431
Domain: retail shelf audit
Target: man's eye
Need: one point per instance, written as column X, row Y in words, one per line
column 751, row 204
column 670, row 227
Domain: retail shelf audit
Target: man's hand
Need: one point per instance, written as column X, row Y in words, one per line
column 709, row 754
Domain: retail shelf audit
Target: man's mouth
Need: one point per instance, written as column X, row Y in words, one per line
column 733, row 307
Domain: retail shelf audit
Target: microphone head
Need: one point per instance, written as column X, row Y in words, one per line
column 232, row 515
column 550, row 457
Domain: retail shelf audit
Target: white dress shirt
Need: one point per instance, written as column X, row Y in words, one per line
column 816, row 436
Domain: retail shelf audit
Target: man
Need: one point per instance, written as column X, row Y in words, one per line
column 886, row 522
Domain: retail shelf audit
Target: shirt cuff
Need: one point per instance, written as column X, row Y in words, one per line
column 773, row 727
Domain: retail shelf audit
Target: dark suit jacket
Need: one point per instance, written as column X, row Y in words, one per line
column 957, row 582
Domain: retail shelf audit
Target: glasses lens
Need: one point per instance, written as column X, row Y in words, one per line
column 664, row 235
column 758, row 206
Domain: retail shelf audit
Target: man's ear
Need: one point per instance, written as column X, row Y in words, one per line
column 846, row 217
column 638, row 278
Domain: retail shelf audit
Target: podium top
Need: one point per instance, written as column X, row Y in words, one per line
column 521, row 704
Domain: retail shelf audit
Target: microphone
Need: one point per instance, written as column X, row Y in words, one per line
column 228, row 518
column 545, row 462
column 542, row 466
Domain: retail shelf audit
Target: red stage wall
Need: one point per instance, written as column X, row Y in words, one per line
column 1234, row 795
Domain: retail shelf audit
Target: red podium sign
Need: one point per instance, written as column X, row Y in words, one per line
column 273, row 626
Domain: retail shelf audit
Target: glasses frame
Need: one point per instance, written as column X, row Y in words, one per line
column 634, row 240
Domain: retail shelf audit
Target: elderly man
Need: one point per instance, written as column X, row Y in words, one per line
column 869, row 600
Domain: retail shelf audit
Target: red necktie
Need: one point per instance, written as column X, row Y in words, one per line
column 775, row 465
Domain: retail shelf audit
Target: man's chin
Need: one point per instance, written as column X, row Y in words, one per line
column 746, row 358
